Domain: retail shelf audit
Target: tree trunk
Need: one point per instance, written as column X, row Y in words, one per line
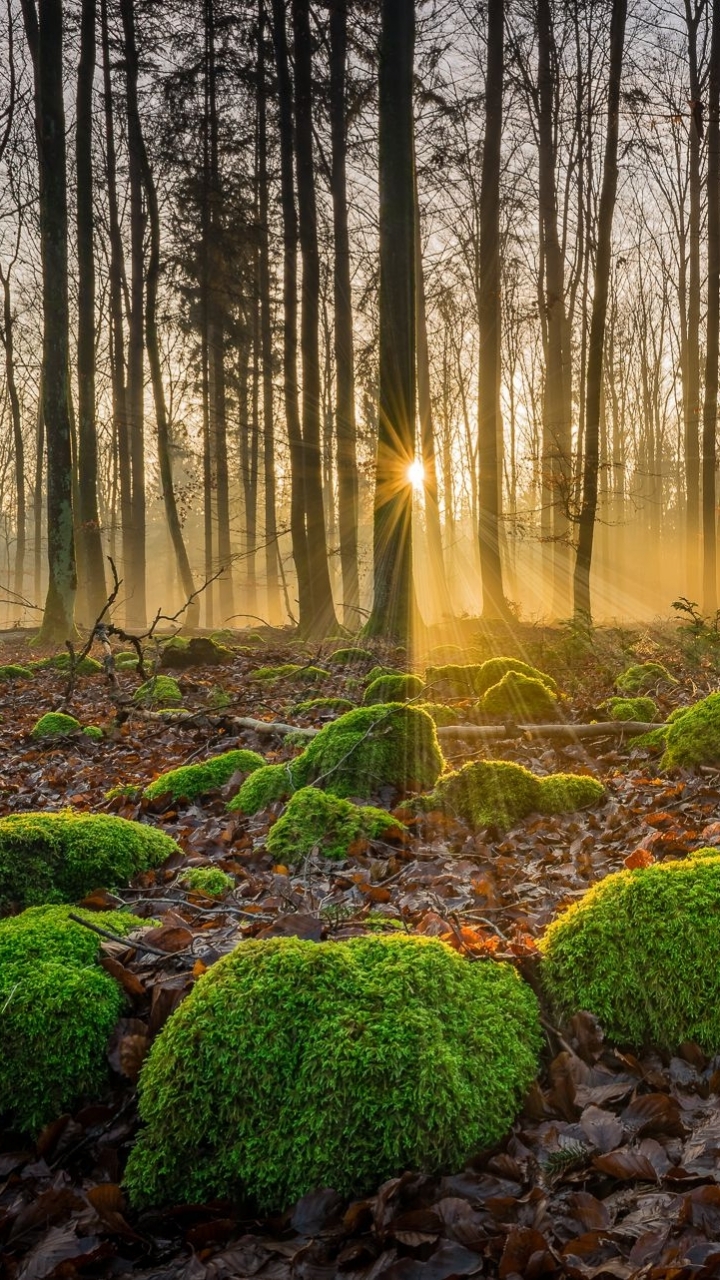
column 489, row 438
column 263, row 278
column 710, row 406
column 596, row 351
column 18, row 443
column 392, row 529
column 693, row 14
column 44, row 32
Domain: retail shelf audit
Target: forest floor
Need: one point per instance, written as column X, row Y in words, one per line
column 612, row 1170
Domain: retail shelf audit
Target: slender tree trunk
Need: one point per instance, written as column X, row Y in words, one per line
column 37, row 495
column 44, row 32
column 392, row 529
column 490, row 458
column 18, row 444
column 90, row 551
column 710, row 407
column 263, row 278
column 586, row 527
column 136, row 587
column 693, row 14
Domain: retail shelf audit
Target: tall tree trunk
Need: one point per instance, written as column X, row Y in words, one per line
column 7, row 336
column 345, row 426
column 44, row 32
column 290, row 305
column 596, row 351
column 392, row 529
column 489, row 435
column 693, row 14
column 263, row 278
column 136, row 586
column 90, row 551
column 317, row 613
column 710, row 407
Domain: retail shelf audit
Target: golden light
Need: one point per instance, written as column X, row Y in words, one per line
column 416, row 475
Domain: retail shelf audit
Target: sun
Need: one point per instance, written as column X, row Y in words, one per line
column 416, row 475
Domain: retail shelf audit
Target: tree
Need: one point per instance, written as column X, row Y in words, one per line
column 710, row 406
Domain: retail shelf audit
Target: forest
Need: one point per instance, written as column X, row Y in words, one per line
column 359, row 639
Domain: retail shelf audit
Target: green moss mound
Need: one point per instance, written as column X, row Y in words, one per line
column 57, row 1011
column 500, row 793
column 211, row 880
column 59, row 857
column 642, row 709
column 159, row 691
column 191, row 781
column 15, row 672
column 351, row 657
column 201, row 651
column 475, row 678
column 370, row 747
column 263, row 787
column 324, row 704
column 520, row 697
column 643, row 676
column 87, row 666
column 493, row 671
column 54, row 724
column 638, row 951
column 297, row 1065
column 315, row 819
column 126, row 661
column 399, row 688
column 693, row 737
column 441, row 714
column 291, row 670
column 93, row 731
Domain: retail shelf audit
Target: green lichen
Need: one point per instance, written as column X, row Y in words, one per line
column 520, row 697
column 350, row 657
column 59, row 857
column 191, row 781
column 297, row 1065
column 399, row 688
column 315, row 819
column 54, row 724
column 642, row 709
column 159, row 691
column 638, row 952
column 474, row 679
column 57, row 1011
column 323, row 704
column 693, row 737
column 210, row 880
column 642, row 677
column 93, row 731
column 263, row 787
column 500, row 793
column 370, row 747
column 14, row 672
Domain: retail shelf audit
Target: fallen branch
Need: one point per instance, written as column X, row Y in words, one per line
column 565, row 732
column 138, row 945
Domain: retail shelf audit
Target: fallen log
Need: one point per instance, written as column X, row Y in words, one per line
column 564, row 732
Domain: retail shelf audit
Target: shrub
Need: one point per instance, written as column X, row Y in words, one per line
column 370, row 747
column 14, row 672
column 59, row 857
column 159, row 691
column 54, row 724
column 643, row 709
column 297, row 1065
column 57, row 1011
column 399, row 688
column 521, row 697
column 211, row 880
column 191, row 781
column 643, row 676
column 315, row 819
column 638, row 952
column 500, row 793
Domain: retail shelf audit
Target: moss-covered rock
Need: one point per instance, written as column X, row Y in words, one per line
column 441, row 713
column 520, row 698
column 500, row 793
column 191, row 781
column 693, row 736
column 200, row 651
column 210, row 880
column 87, row 666
column 475, row 678
column 642, row 709
column 290, row 671
column 93, row 731
column 59, row 857
column 54, row 724
column 644, row 676
column 297, row 1065
column 638, row 951
column 370, row 747
column 263, row 787
column 340, row 705
column 350, row 657
column 395, row 688
column 14, row 672
column 126, row 661
column 159, row 691
column 57, row 1011
column 314, row 819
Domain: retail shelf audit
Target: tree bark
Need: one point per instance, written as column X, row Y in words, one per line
column 710, row 406
column 693, row 14
column 7, row 335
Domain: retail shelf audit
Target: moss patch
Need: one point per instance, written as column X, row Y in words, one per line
column 93, row 731
column 200, row 651
column 191, row 781
column 388, row 745
column 396, row 688
column 693, row 737
column 14, row 672
column 87, row 666
column 500, row 793
column 315, row 819
column 211, row 880
column 643, row 676
column 159, row 691
column 351, row 657
column 263, row 787
column 441, row 714
column 638, row 951
column 324, row 704
column 59, row 857
column 643, row 709
column 474, row 679
column 54, row 724
column 520, row 697
column 291, row 670
column 298, row 1065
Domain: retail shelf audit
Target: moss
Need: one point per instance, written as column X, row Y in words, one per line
column 500, row 793
column 57, row 1011
column 191, row 781
column 275, row 673
column 324, row 704
column 370, row 747
column 125, row 791
column 263, row 787
column 59, row 857
column 211, row 880
column 14, row 672
column 55, row 724
column 159, row 691
column 350, row 657
column 180, row 653
column 126, row 661
column 643, row 709
column 493, row 671
column 642, row 677
column 399, row 688
column 87, row 666
column 693, row 738
column 475, row 678
column 93, row 731
column 638, row 951
column 521, row 697
column 314, row 819
column 440, row 713
column 298, row 1065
